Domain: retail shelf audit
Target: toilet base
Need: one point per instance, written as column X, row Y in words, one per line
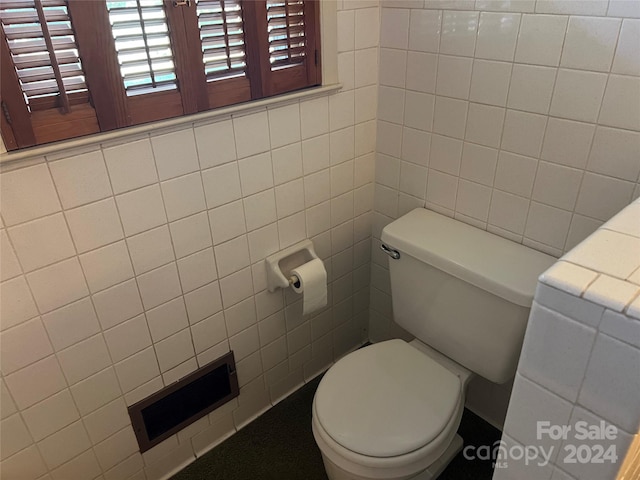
column 431, row 473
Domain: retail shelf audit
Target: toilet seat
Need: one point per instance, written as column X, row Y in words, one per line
column 409, row 399
column 373, row 438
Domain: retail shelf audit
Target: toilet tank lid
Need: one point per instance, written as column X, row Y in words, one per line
column 492, row 263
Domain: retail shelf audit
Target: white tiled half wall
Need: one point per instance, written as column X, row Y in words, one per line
column 581, row 355
column 126, row 266
column 518, row 117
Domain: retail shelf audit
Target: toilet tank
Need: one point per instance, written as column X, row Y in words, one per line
column 463, row 291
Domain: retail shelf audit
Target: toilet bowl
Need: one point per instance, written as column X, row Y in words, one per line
column 369, row 415
column 391, row 410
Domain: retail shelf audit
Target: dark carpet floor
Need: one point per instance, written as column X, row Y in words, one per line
column 279, row 445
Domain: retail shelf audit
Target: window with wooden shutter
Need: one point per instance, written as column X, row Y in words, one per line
column 74, row 67
column 43, row 82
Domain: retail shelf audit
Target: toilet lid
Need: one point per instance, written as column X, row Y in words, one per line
column 387, row 399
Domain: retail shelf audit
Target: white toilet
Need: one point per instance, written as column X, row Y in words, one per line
column 391, row 410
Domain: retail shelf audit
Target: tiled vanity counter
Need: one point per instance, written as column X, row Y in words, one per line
column 580, row 362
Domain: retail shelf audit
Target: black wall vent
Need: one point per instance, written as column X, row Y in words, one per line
column 159, row 416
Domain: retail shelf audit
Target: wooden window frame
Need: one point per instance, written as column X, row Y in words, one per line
column 107, row 106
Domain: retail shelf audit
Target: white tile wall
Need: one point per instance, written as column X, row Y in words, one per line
column 129, row 265
column 580, row 356
column 523, row 116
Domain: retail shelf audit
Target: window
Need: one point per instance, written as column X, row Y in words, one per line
column 75, row 67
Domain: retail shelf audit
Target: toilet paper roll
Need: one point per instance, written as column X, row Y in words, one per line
column 312, row 285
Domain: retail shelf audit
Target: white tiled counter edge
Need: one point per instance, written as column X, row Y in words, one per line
column 581, row 354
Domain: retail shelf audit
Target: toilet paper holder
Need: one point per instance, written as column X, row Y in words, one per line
column 280, row 264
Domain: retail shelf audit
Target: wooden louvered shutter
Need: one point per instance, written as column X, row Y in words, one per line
column 290, row 44
column 44, row 94
column 223, row 51
column 75, row 67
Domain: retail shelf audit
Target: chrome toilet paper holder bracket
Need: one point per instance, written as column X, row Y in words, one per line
column 280, row 264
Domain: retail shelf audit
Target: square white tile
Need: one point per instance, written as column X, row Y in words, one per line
column 577, row 95
column 614, row 153
column 137, row 369
column 515, row 174
column 341, row 145
column 490, row 82
column 251, row 133
column 260, row 209
column 394, row 28
column 284, row 125
column 617, row 110
column 95, row 391
column 454, row 76
column 421, row 72
column 556, row 340
column 221, row 184
column 50, row 415
column 531, row 88
column 557, row 185
column 256, row 173
column 94, row 225
column 508, row 212
column 393, row 67
column 190, row 234
column 18, row 207
column 523, row 132
column 341, row 110
column 10, row 267
column 131, row 165
column 314, row 114
column 141, row 209
column 117, row 304
column 459, row 33
column 42, row 242
column 167, row 319
column 424, row 30
column 34, row 383
column 263, row 242
column 602, row 197
column 84, row 359
column 547, row 225
column 484, row 124
column 128, row 338
column 81, row 179
column 106, row 266
column 556, row 148
column 287, row 163
column 175, row 153
column 197, row 270
column 590, row 43
column 497, row 35
column 183, row 196
column 174, row 350
column 478, row 163
column 445, row 154
column 71, row 324
column 625, row 60
column 540, row 39
column 215, row 143
column 450, row 116
column 203, row 302
column 227, row 222
column 159, row 285
column 57, row 285
column 150, row 249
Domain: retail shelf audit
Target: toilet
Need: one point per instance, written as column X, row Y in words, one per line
column 391, row 410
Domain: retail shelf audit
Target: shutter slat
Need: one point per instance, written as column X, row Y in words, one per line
column 222, row 38
column 145, row 55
